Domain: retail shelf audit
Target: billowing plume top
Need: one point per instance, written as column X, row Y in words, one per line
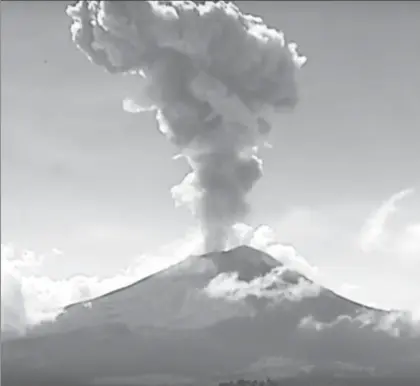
column 213, row 75
column 247, row 57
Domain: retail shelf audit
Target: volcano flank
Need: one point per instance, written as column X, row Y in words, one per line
column 211, row 317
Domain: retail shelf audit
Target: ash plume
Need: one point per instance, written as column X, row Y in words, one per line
column 213, row 75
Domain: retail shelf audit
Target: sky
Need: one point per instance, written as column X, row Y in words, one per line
column 87, row 185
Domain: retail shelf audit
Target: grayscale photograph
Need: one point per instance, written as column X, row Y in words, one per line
column 210, row 193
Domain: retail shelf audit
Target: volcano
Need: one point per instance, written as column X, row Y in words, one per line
column 211, row 318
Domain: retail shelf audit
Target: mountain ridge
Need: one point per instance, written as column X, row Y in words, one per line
column 213, row 256
column 166, row 323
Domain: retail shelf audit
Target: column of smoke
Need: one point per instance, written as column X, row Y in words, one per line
column 213, row 76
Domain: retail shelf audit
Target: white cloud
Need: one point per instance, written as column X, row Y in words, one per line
column 28, row 297
column 274, row 285
column 401, row 245
column 392, row 323
column 264, row 239
column 373, row 234
column 386, row 276
column 57, row 251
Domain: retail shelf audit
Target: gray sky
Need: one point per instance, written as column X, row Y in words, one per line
column 82, row 176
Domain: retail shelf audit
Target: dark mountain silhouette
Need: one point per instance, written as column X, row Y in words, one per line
column 167, row 326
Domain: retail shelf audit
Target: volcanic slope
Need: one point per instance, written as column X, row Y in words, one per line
column 212, row 317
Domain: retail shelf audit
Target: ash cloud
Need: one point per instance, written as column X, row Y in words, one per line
column 213, row 75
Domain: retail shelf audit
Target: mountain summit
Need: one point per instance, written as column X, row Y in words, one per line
column 211, row 317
